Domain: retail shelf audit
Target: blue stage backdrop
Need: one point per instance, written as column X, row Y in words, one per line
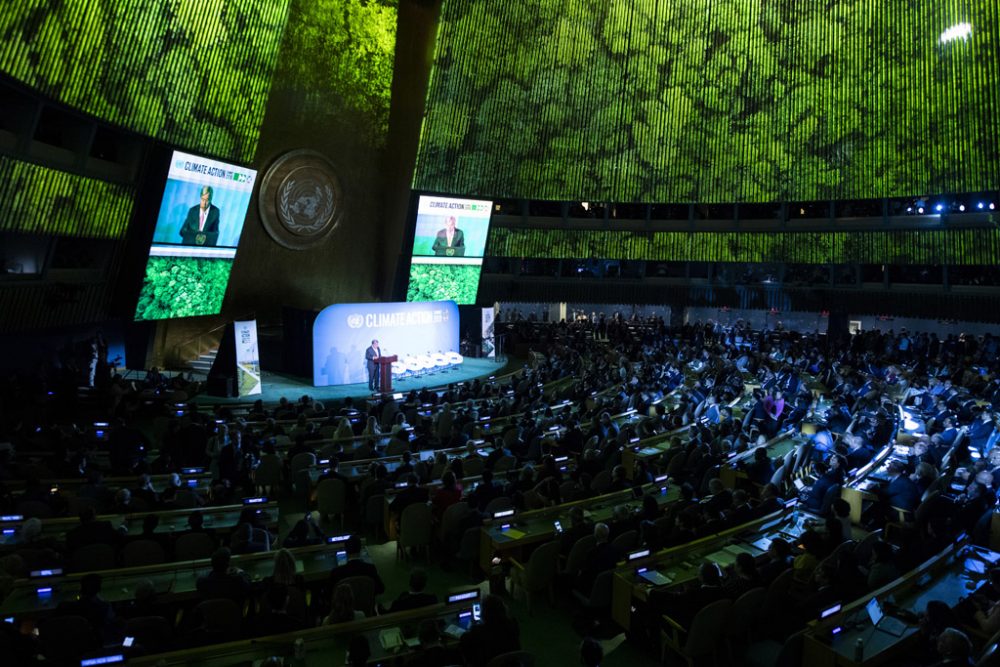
column 343, row 332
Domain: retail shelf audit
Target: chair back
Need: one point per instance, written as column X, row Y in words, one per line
column 186, row 499
column 220, row 616
column 777, row 596
column 831, row 494
column 193, row 546
column 626, row 542
column 863, row 549
column 415, row 526
column 143, row 552
column 331, row 497
column 396, row 447
column 541, row 568
column 268, row 473
column 778, row 477
column 676, row 465
column 64, row 638
column 513, row 659
column 375, row 510
column 473, row 467
column 578, row 554
column 364, row 593
column 302, row 460
column 744, row 613
column 302, row 483
column 152, row 633
column 600, row 591
column 452, row 519
column 504, row 463
column 93, row 557
column 706, row 629
column 601, row 482
column 468, row 546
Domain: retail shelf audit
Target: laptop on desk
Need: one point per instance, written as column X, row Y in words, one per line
column 888, row 624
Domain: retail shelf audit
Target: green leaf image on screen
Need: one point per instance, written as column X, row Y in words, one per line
column 712, row 101
column 183, row 287
column 443, row 282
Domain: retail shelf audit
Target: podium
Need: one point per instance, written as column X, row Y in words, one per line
column 385, row 373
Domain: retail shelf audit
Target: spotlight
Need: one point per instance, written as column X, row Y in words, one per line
column 920, row 210
column 992, row 206
column 961, row 207
column 939, row 208
column 909, row 209
column 980, row 206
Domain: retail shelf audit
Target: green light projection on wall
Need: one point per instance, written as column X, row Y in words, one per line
column 40, row 200
column 713, row 100
column 195, row 73
column 980, row 246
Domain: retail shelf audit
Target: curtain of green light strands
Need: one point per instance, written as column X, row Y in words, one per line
column 40, row 200
column 712, row 101
column 952, row 246
column 195, row 73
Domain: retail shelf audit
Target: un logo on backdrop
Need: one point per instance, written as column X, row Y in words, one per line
column 300, row 199
column 355, row 321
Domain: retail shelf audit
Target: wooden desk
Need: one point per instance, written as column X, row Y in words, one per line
column 732, row 472
column 537, row 526
column 949, row 576
column 175, row 581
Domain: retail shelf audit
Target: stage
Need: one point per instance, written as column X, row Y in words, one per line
column 277, row 385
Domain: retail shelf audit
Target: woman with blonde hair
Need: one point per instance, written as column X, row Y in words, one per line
column 342, row 607
column 344, row 430
column 285, row 568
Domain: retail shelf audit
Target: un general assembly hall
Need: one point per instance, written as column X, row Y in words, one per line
column 482, row 333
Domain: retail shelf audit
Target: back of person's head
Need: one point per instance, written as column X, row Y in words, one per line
column 746, row 564
column 709, row 574
column 740, row 497
column 150, row 523
column 90, row 585
column 418, row 580
column 494, row 609
column 87, row 514
column 277, row 596
column 780, row 547
column 427, row 632
column 31, row 529
column 144, row 590
column 591, row 652
column 760, row 454
column 601, row 532
column 577, row 516
column 649, row 504
column 448, row 479
column 359, row 651
column 123, row 496
column 196, row 520
column 221, row 559
column 954, row 644
column 715, row 486
column 687, row 491
column 841, row 508
column 343, row 602
column 284, row 567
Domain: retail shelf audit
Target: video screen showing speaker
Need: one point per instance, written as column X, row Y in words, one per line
column 197, row 232
column 448, row 247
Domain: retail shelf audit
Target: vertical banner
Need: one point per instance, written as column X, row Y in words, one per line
column 489, row 338
column 247, row 358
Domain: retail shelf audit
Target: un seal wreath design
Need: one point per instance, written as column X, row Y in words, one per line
column 301, row 200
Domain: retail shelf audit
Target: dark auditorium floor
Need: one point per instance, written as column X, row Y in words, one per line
column 548, row 632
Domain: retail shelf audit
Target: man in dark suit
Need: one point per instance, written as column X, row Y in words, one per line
column 91, row 531
column 372, row 353
column 224, row 581
column 415, row 597
column 356, row 567
column 201, row 226
column 902, row 491
column 450, row 241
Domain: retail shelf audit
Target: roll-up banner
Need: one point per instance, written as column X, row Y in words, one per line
column 247, row 358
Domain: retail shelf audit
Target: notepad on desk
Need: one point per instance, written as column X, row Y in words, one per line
column 454, row 631
column 391, row 638
column 513, row 534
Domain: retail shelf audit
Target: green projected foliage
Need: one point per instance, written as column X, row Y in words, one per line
column 346, row 48
column 183, row 287
column 443, row 282
column 191, row 72
column 979, row 246
column 41, row 200
column 713, row 100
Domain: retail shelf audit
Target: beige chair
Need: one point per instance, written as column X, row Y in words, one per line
column 143, row 552
column 193, row 546
column 538, row 574
column 414, row 529
column 364, row 594
column 331, row 499
column 863, row 549
column 267, row 476
column 743, row 617
column 703, row 639
column 577, row 556
column 626, row 542
column 93, row 557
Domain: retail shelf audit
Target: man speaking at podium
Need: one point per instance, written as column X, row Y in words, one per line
column 371, row 356
column 450, row 241
column 201, row 226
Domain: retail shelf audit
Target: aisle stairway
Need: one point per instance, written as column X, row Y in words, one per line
column 203, row 364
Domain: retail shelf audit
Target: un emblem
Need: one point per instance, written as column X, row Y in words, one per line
column 301, row 200
column 355, row 320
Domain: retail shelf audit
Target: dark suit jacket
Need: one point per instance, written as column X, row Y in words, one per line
column 356, row 568
column 441, row 246
column 370, row 357
column 189, row 230
column 410, row 600
column 903, row 493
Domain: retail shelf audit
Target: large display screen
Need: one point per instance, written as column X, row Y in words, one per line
column 342, row 333
column 197, row 231
column 725, row 101
column 448, row 247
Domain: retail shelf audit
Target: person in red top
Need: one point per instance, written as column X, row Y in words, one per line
column 449, row 494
